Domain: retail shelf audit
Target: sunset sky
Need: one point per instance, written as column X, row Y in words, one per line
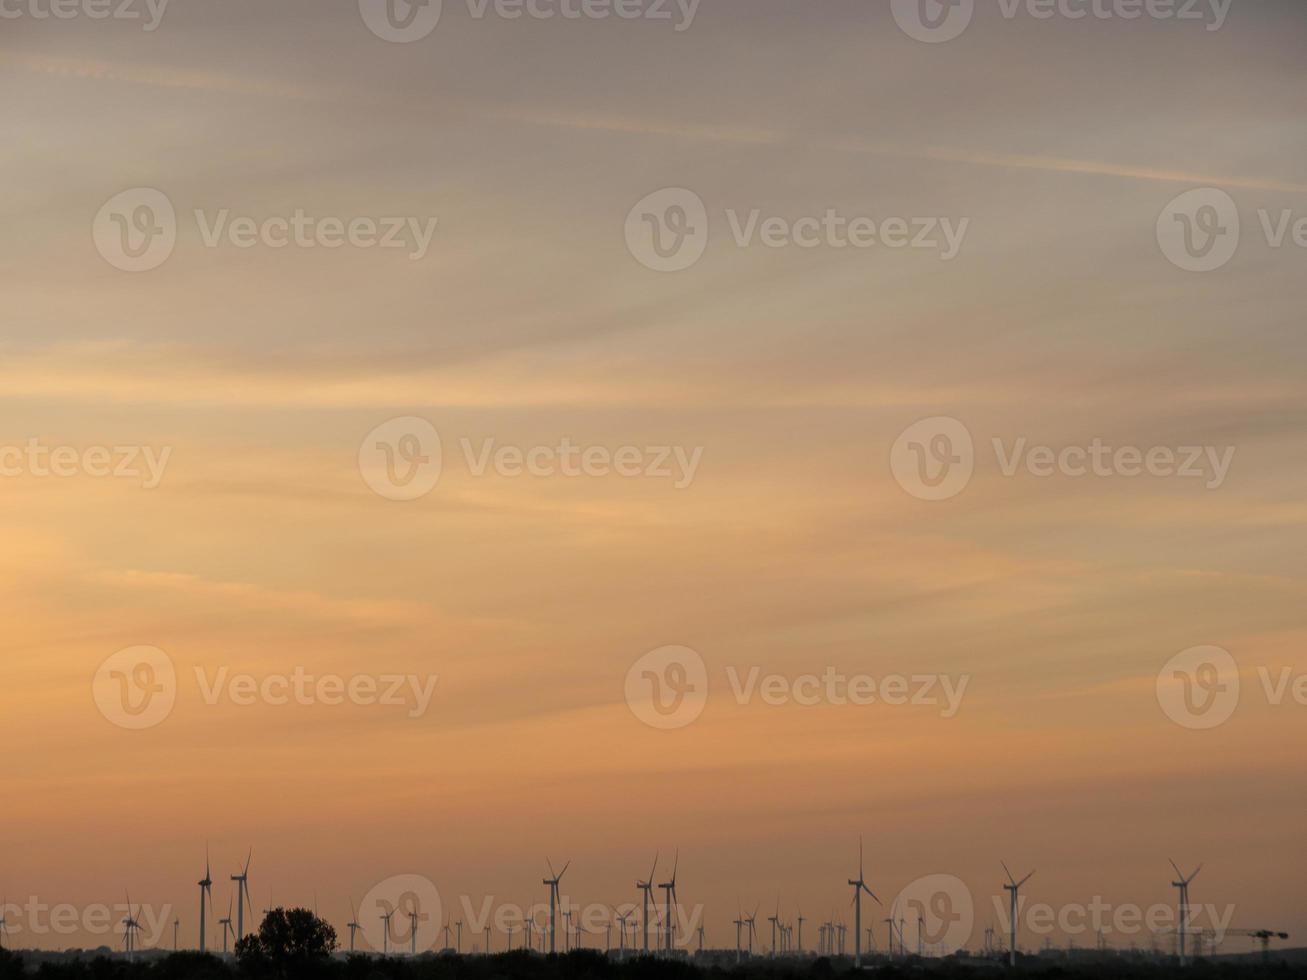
column 793, row 370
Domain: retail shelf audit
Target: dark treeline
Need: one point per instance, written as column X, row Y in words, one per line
column 295, row 944
column 587, row 965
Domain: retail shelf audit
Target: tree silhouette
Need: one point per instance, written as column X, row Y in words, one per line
column 287, row 942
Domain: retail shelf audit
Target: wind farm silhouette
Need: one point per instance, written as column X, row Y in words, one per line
column 252, row 950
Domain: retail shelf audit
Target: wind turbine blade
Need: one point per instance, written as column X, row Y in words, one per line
column 860, row 874
column 872, row 894
column 1195, row 874
column 1009, row 873
column 654, row 869
column 1178, row 873
column 1025, row 879
column 552, row 872
column 564, row 871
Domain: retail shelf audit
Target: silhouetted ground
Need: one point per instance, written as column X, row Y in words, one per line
column 587, row 965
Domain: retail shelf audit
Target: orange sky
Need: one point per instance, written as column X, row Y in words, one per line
column 792, row 372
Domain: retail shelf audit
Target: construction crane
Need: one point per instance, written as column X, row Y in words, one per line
column 1264, row 935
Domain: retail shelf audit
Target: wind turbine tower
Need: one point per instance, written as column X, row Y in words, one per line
column 669, row 896
column 646, row 888
column 206, row 902
column 1182, row 884
column 243, row 898
column 553, row 902
column 1013, row 887
column 226, row 927
column 859, row 885
column 352, row 925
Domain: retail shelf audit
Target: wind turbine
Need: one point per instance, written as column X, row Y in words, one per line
column 458, row 928
column 130, row 928
column 1014, row 887
column 801, row 921
column 752, row 922
column 385, row 938
column 553, row 901
column 226, row 927
column 352, row 925
column 669, row 895
column 775, row 920
column 859, row 886
column 739, row 923
column 621, row 935
column 4, row 928
column 646, row 887
column 446, row 930
column 243, row 898
column 1183, row 885
column 413, row 929
column 206, row 891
